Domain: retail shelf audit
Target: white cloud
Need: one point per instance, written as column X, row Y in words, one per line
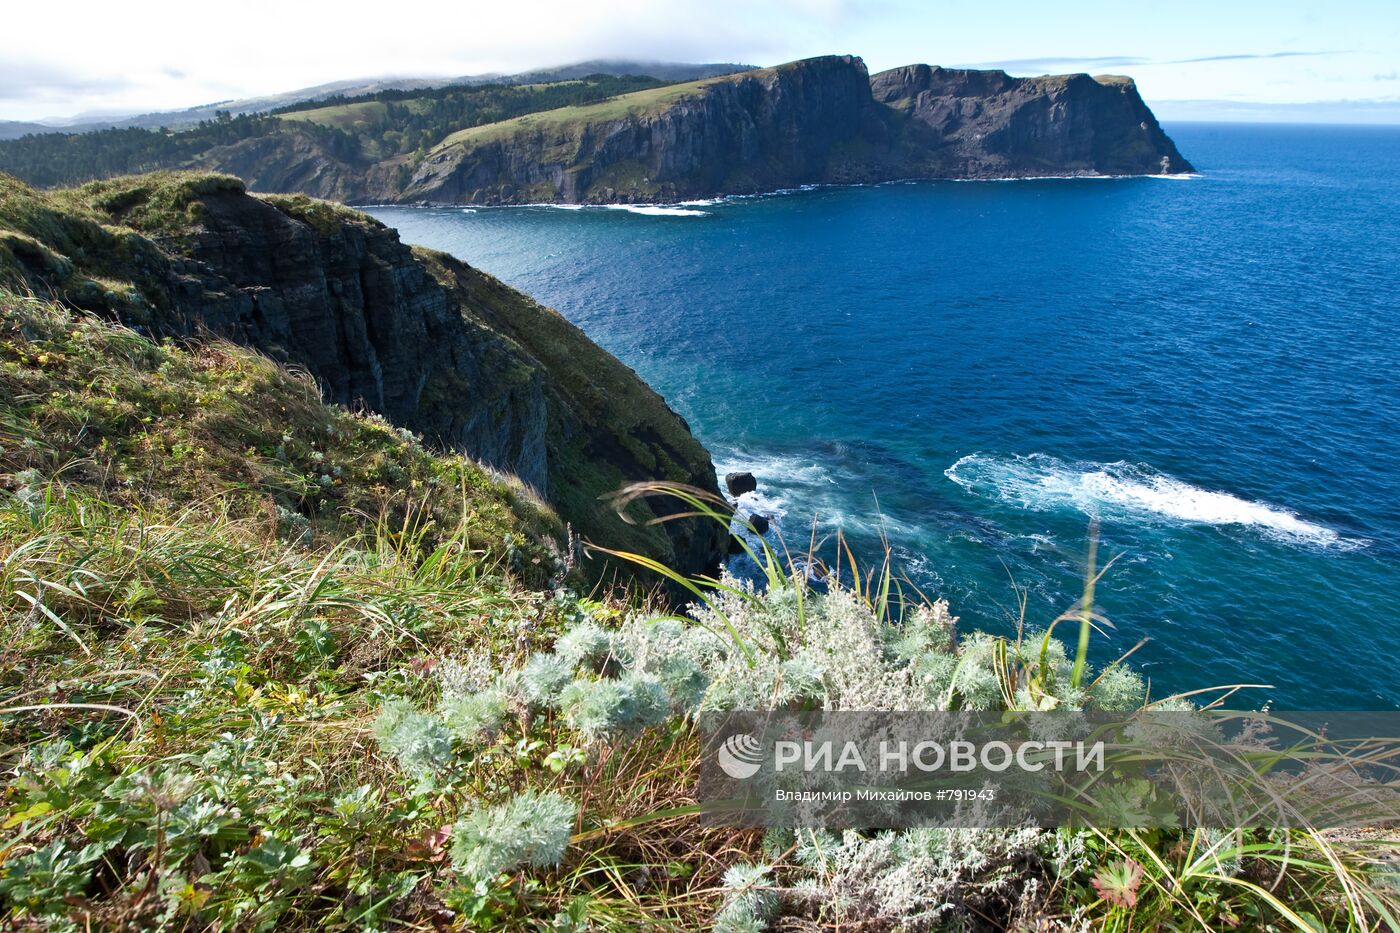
column 160, row 54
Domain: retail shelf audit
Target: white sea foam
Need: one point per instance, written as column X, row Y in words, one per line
column 1120, row 490
column 657, row 210
column 776, row 469
column 687, row 208
column 814, row 489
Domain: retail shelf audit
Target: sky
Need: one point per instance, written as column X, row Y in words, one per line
column 1336, row 61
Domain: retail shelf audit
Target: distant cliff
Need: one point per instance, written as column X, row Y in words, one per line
column 429, row 342
column 820, row 120
column 607, row 139
column 754, row 131
column 986, row 124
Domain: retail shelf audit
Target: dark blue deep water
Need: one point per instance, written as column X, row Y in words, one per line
column 1208, row 366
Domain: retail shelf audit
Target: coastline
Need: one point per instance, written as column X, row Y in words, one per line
column 639, row 207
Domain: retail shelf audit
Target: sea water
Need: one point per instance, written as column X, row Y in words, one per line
column 976, row 371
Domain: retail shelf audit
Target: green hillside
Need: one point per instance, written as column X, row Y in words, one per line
column 360, row 131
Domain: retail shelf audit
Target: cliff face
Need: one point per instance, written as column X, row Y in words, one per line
column 427, row 341
column 817, row 120
column 742, row 133
column 979, row 124
column 292, row 162
column 289, row 163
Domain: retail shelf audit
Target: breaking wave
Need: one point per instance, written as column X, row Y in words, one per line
column 649, row 210
column 657, row 210
column 1126, row 491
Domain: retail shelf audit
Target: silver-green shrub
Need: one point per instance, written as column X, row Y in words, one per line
column 588, row 646
column 419, row 741
column 782, row 649
column 543, row 678
column 607, row 707
column 475, row 717
column 531, row 828
column 750, row 901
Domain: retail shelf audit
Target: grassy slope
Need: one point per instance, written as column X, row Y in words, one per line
column 191, row 536
column 93, row 242
column 99, row 238
column 342, row 116
column 219, row 427
column 566, row 119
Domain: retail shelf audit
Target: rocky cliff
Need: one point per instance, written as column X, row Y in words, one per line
column 754, row 131
column 986, row 124
column 432, row 344
column 820, row 120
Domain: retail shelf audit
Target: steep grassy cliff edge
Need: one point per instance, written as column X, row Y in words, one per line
column 819, row 120
column 432, row 345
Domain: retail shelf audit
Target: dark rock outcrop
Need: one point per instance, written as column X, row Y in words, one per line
column 423, row 339
column 979, row 124
column 740, row 483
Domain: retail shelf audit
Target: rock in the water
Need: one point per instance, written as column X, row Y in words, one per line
column 759, row 523
column 740, row 483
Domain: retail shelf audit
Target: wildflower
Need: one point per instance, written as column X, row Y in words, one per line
column 1118, row 882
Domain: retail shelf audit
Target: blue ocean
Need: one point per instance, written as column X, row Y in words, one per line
column 1206, row 366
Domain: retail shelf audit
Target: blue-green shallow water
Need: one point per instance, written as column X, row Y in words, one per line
column 1207, row 365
